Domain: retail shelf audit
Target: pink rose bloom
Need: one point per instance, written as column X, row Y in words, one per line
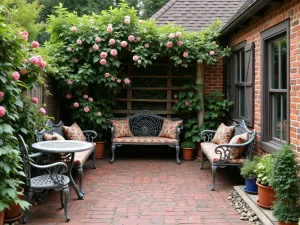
column 90, row 99
column 103, row 55
column 187, row 103
column 131, row 38
column 69, row 49
column 175, row 96
column 2, row 111
column 86, row 109
column 106, row 75
column 113, row 79
column 95, row 47
column 211, row 52
column 103, row 62
column 109, row 29
column 135, row 58
column 127, row 21
column 172, row 35
column 79, row 42
column 147, row 45
column 74, row 29
column 35, row 100
column 1, row 94
column 214, row 42
column 139, row 61
column 97, row 39
column 179, row 61
column 169, row 44
column 34, row 60
column 118, row 81
column 23, row 71
column 76, row 104
column 180, row 43
column 70, row 82
column 185, row 54
column 24, row 35
column 138, row 39
column 140, row 21
column 112, row 41
column 123, row 44
column 35, row 44
column 68, row 96
column 15, row 75
column 127, row 81
column 42, row 111
column 42, row 64
column 85, row 96
column 178, row 34
column 114, row 52
column 75, row 60
column 99, row 113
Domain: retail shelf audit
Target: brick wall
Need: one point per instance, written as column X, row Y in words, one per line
column 290, row 9
column 214, row 77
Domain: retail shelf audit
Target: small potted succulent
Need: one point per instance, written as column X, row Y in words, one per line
column 286, row 185
column 187, row 148
column 249, row 174
column 264, row 170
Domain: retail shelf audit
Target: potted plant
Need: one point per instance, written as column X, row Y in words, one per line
column 99, row 147
column 264, row 170
column 286, row 185
column 249, row 174
column 193, row 133
column 187, row 148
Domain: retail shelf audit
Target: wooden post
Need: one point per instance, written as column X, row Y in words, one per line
column 200, row 80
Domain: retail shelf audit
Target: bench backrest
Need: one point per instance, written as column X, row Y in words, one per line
column 242, row 128
column 51, row 127
column 145, row 123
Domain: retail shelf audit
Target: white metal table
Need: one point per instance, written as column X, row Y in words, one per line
column 66, row 148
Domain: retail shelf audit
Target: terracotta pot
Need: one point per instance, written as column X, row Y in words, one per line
column 14, row 210
column 1, row 217
column 187, row 153
column 198, row 145
column 286, row 223
column 266, row 196
column 100, row 150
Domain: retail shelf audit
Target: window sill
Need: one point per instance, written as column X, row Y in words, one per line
column 269, row 147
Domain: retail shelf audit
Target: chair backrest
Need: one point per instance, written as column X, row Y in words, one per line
column 242, row 128
column 25, row 160
column 51, row 127
column 145, row 123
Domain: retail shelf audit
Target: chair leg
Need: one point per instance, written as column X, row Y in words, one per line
column 28, row 199
column 202, row 160
column 61, row 199
column 214, row 169
column 80, row 173
column 177, row 153
column 113, row 147
column 66, row 199
column 94, row 159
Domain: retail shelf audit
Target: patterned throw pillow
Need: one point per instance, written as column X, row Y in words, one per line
column 169, row 129
column 236, row 152
column 121, row 128
column 51, row 137
column 223, row 134
column 74, row 132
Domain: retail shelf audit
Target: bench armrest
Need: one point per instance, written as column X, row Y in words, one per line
column 90, row 135
column 207, row 135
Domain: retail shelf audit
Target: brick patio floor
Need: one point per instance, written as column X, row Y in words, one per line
column 145, row 191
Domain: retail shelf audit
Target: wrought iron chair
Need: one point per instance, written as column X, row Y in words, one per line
column 52, row 178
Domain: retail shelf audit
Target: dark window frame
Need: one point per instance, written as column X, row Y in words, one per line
column 268, row 36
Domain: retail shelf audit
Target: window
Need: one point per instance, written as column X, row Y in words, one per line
column 275, row 83
column 241, row 73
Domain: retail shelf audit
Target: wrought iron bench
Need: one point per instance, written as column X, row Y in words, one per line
column 145, row 127
column 80, row 157
column 219, row 155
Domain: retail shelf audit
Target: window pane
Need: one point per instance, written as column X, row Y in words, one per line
column 283, row 68
column 242, row 65
column 237, row 67
column 241, row 102
column 274, row 75
column 280, row 116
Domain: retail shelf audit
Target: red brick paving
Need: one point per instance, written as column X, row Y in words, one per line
column 145, row 191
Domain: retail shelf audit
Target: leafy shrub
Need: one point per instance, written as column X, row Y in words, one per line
column 264, row 170
column 249, row 167
column 187, row 144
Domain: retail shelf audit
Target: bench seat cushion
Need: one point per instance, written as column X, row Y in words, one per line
column 145, row 140
column 209, row 149
column 80, row 157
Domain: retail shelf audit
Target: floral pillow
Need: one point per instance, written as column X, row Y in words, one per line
column 169, row 129
column 121, row 128
column 223, row 134
column 74, row 132
column 236, row 152
column 51, row 137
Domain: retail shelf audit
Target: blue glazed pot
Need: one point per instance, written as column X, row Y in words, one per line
column 251, row 186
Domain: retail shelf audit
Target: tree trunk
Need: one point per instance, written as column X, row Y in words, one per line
column 200, row 80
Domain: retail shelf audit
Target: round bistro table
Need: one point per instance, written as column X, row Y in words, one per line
column 64, row 147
